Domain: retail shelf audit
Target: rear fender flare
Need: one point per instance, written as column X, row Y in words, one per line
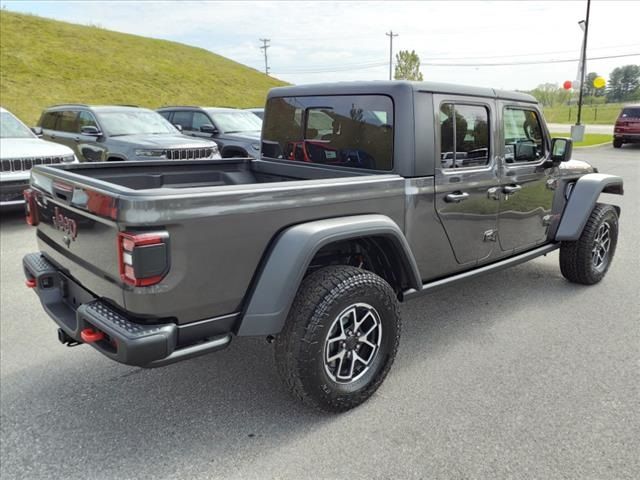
column 584, row 196
column 292, row 251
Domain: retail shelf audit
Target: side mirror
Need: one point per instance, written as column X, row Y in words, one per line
column 561, row 149
column 37, row 131
column 208, row 128
column 91, row 131
column 178, row 126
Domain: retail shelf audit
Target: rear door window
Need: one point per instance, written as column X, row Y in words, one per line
column 67, row 121
column 464, row 135
column 347, row 131
column 49, row 120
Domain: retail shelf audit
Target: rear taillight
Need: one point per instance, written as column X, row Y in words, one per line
column 143, row 257
column 30, row 207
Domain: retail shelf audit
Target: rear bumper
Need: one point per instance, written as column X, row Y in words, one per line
column 627, row 137
column 75, row 310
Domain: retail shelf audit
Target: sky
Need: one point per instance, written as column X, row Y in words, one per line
column 324, row 41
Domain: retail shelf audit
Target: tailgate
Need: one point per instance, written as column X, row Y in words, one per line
column 77, row 235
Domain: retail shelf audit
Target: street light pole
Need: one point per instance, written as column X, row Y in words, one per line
column 583, row 62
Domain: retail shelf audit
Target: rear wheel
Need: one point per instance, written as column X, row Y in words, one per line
column 587, row 259
column 340, row 339
column 617, row 143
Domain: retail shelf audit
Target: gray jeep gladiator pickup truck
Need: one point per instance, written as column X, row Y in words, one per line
column 365, row 195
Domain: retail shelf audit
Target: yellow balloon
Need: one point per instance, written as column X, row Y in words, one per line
column 599, row 82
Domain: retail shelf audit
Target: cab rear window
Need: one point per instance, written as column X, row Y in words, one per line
column 630, row 112
column 349, row 130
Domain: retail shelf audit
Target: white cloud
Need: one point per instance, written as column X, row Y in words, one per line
column 308, row 39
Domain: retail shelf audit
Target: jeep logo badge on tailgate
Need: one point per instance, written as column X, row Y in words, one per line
column 65, row 225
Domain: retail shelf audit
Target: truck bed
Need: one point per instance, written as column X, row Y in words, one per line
column 159, row 177
column 220, row 216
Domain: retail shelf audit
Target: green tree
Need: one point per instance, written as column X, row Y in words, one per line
column 550, row 94
column 624, row 83
column 407, row 66
column 589, row 89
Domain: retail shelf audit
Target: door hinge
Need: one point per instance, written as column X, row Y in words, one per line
column 490, row 235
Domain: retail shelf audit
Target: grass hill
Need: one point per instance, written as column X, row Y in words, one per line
column 45, row 62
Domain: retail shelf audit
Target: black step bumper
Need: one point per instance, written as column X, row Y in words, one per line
column 75, row 310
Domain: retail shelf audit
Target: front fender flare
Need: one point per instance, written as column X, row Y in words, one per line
column 292, row 251
column 584, row 196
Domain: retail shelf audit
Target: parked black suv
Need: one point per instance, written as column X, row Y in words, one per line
column 100, row 133
column 237, row 132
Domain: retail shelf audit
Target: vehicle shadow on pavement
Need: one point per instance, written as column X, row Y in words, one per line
column 226, row 408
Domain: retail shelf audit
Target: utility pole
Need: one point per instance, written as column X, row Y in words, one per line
column 583, row 61
column 265, row 45
column 390, row 34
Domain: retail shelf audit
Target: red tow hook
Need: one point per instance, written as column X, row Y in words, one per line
column 31, row 283
column 89, row 335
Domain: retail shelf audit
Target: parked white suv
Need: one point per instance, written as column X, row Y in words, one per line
column 21, row 149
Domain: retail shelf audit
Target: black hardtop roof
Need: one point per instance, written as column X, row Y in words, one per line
column 384, row 87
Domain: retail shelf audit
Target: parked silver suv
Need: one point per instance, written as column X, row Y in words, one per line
column 105, row 133
column 20, row 150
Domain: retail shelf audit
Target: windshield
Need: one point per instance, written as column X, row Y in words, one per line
column 11, row 127
column 134, row 122
column 234, row 122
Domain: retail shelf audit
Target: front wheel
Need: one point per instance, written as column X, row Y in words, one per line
column 340, row 339
column 587, row 259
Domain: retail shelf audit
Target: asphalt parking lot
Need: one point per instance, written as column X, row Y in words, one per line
column 518, row 374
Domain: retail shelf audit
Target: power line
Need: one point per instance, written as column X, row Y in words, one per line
column 390, row 34
column 264, row 47
column 475, row 57
column 537, row 62
column 350, row 67
column 428, row 60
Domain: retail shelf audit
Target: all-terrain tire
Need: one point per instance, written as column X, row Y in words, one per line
column 301, row 348
column 577, row 262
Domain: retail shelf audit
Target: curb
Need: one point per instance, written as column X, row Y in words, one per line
column 594, row 146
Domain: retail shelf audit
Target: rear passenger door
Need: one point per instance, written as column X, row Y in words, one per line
column 527, row 181
column 66, row 128
column 467, row 177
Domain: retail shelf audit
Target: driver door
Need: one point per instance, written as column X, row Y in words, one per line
column 527, row 183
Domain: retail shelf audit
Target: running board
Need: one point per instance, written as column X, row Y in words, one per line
column 492, row 267
column 192, row 351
